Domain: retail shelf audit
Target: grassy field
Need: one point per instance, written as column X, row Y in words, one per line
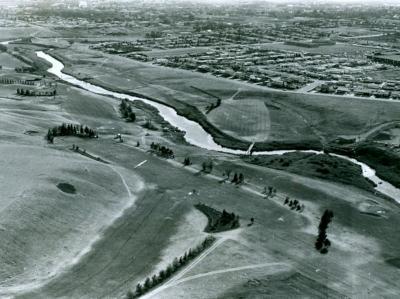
column 7, row 61
column 45, row 229
column 321, row 166
column 247, row 120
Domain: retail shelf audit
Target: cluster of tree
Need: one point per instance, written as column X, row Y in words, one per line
column 70, row 130
column 149, row 125
column 207, row 166
column 25, row 69
column 228, row 218
column 237, row 179
column 162, row 150
column 177, row 264
column 270, row 191
column 36, row 93
column 126, row 110
column 187, row 161
column 218, row 221
column 322, row 244
column 294, row 204
column 14, row 81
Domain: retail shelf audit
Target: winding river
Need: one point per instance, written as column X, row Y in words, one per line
column 196, row 135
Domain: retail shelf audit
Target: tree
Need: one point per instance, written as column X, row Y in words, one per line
column 286, row 200
column 162, row 275
column 175, row 264
column 147, row 284
column 139, row 289
column 169, row 270
column 130, row 295
column 131, row 116
column 207, row 166
column 154, row 280
column 322, row 242
column 50, row 136
column 186, row 161
column 235, row 178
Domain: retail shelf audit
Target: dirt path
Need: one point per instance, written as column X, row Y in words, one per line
column 175, row 279
column 276, row 267
column 372, row 132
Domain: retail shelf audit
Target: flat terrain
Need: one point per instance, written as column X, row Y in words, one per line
column 130, row 217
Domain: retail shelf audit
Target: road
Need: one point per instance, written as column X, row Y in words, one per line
column 307, row 88
column 365, row 36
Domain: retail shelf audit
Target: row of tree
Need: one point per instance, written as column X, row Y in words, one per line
column 162, row 150
column 126, row 110
column 270, row 191
column 70, row 130
column 177, row 264
column 322, row 244
column 36, row 93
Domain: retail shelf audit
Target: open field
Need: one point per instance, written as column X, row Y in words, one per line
column 7, row 61
column 321, row 166
column 247, row 120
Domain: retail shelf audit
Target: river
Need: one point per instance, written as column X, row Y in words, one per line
column 196, row 135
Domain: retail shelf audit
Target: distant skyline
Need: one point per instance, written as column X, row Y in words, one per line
column 392, row 2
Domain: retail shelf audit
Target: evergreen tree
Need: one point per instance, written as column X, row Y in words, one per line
column 139, row 289
column 241, row 178
column 147, row 284
column 186, row 161
column 235, row 178
column 322, row 241
column 154, row 280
